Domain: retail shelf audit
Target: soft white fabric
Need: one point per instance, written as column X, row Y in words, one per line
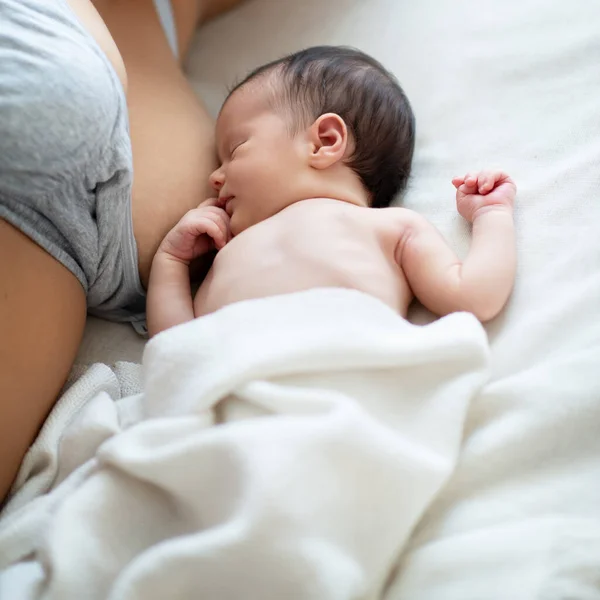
column 338, row 422
column 512, row 84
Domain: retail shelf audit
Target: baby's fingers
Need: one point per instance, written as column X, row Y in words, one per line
column 457, row 181
column 470, row 184
column 217, row 233
column 486, row 181
column 490, row 180
column 222, row 234
column 209, row 202
column 218, row 228
column 481, row 182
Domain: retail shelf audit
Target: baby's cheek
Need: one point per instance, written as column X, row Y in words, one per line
column 241, row 220
column 234, row 224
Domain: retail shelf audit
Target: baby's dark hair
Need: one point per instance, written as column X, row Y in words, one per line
column 377, row 113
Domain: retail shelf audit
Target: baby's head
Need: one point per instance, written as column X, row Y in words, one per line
column 324, row 122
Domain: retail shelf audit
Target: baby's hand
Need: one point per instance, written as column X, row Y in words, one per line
column 198, row 231
column 477, row 193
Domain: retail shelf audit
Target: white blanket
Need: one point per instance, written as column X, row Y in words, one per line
column 280, row 448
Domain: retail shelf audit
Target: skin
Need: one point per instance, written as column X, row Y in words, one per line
column 173, row 151
column 291, row 215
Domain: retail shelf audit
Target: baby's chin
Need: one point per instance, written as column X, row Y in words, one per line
column 238, row 225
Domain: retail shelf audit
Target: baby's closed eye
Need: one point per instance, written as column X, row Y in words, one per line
column 235, row 147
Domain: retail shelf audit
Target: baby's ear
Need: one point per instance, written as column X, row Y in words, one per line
column 329, row 141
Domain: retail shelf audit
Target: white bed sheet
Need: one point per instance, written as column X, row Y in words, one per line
column 493, row 83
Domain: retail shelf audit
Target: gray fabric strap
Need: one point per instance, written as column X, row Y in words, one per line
column 165, row 14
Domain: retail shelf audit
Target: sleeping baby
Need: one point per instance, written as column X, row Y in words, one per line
column 313, row 149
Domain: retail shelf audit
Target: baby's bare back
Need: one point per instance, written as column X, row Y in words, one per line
column 313, row 243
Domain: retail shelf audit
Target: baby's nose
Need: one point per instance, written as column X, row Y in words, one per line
column 216, row 179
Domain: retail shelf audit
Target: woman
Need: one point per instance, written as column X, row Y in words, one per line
column 66, row 158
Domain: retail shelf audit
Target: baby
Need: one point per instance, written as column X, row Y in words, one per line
column 313, row 149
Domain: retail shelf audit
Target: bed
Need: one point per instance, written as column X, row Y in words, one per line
column 513, row 85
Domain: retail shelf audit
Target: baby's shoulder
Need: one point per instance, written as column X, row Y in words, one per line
column 396, row 216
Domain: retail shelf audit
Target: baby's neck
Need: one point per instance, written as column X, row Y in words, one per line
column 344, row 186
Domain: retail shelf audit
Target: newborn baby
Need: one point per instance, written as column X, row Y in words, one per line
column 313, row 149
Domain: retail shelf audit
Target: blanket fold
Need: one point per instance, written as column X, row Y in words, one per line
column 280, row 448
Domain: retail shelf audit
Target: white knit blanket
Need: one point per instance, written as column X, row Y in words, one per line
column 280, row 448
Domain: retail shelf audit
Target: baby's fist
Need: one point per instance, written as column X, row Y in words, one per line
column 198, row 231
column 480, row 192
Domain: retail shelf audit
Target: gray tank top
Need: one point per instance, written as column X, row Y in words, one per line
column 65, row 152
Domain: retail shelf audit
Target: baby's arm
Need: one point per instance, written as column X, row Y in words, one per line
column 169, row 294
column 482, row 283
